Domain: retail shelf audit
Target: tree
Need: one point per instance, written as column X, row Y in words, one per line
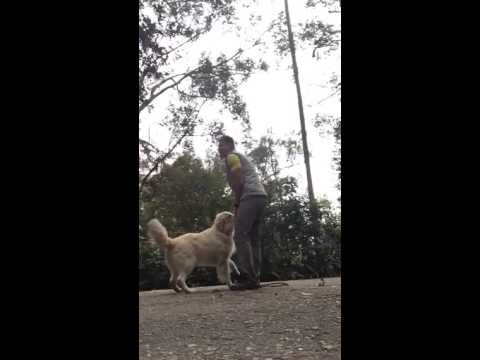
column 166, row 29
column 332, row 125
column 311, row 195
column 306, row 153
column 322, row 37
column 291, row 242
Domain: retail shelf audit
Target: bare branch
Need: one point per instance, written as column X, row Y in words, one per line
column 163, row 81
column 329, row 96
column 153, row 95
column 193, row 38
column 165, row 156
column 277, row 172
column 146, row 144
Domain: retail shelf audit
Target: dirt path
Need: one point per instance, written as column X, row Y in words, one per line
column 298, row 321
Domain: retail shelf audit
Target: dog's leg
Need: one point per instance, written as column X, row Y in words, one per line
column 183, row 284
column 175, row 286
column 174, row 282
column 173, row 275
column 232, row 263
column 227, row 274
column 223, row 273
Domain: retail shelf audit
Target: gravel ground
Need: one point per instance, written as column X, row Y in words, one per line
column 298, row 321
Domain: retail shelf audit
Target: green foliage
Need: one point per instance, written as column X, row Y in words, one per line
column 320, row 36
column 265, row 154
column 313, row 33
column 185, row 196
column 291, row 250
column 332, row 125
column 280, row 35
column 166, row 29
column 162, row 22
column 291, row 246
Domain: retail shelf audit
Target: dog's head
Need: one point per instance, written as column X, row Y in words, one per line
column 224, row 222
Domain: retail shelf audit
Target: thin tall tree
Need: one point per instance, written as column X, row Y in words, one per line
column 306, row 154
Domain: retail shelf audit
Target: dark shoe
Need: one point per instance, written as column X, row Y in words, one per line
column 246, row 285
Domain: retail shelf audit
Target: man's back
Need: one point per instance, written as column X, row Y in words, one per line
column 252, row 185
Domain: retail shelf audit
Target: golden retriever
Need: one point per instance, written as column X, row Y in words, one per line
column 211, row 247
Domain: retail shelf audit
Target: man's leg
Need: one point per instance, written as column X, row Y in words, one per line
column 247, row 214
column 257, row 243
column 243, row 225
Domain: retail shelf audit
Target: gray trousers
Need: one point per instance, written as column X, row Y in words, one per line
column 248, row 217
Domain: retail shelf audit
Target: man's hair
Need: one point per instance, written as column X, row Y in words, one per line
column 227, row 140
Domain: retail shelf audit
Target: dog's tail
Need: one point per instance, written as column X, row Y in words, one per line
column 158, row 233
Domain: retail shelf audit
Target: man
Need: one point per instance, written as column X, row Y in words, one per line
column 250, row 200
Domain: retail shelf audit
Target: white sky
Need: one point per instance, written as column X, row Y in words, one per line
column 270, row 96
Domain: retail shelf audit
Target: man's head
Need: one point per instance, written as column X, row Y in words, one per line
column 225, row 145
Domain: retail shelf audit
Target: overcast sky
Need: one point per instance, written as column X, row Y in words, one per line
column 270, row 96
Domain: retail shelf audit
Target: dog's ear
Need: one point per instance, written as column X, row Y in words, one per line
column 220, row 224
column 227, row 225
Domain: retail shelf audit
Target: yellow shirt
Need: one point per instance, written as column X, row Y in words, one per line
column 233, row 161
column 251, row 182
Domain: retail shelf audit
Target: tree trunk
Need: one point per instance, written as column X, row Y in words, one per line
column 306, row 154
